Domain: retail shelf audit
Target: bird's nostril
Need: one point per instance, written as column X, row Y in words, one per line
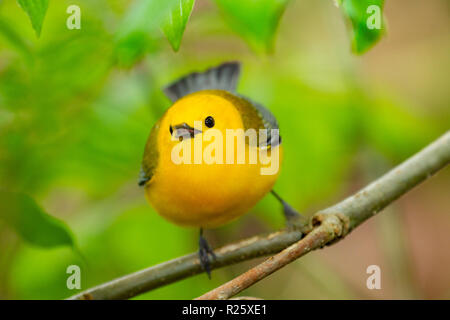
column 171, row 129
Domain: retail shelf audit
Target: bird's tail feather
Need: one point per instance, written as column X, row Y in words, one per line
column 222, row 77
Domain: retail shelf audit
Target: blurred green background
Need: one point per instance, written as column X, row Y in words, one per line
column 76, row 107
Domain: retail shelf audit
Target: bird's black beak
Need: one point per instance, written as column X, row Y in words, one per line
column 184, row 131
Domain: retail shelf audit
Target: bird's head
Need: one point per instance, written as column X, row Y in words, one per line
column 195, row 114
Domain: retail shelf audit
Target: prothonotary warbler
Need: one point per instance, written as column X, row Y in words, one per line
column 195, row 171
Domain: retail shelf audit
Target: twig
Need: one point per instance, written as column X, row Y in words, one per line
column 177, row 269
column 329, row 225
column 334, row 223
column 316, row 239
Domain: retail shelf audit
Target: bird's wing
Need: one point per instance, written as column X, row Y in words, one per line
column 269, row 121
column 222, row 77
column 143, row 177
column 151, row 155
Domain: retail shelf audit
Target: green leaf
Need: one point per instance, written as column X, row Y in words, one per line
column 137, row 31
column 174, row 24
column 35, row 10
column 255, row 20
column 22, row 213
column 367, row 23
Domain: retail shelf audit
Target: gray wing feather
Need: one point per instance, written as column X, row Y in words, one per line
column 143, row 178
column 269, row 120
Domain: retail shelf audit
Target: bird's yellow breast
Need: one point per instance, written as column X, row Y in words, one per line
column 205, row 194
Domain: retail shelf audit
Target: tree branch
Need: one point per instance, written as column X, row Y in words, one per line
column 186, row 266
column 332, row 224
column 328, row 226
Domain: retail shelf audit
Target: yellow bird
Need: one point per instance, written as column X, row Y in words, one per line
column 207, row 193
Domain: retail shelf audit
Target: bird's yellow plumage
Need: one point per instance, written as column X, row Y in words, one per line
column 205, row 195
column 227, row 181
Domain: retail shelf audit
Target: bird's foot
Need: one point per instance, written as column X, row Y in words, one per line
column 204, row 252
column 294, row 220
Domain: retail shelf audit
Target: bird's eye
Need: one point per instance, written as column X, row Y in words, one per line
column 171, row 130
column 209, row 122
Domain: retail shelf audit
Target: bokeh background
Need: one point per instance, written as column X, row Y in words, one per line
column 76, row 107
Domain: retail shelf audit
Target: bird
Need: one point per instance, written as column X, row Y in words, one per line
column 208, row 195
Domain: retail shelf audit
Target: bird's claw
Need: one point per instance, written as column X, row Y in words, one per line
column 294, row 220
column 204, row 252
column 290, row 213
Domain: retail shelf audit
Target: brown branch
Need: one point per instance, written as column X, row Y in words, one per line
column 334, row 223
column 186, row 266
column 329, row 226
column 315, row 239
